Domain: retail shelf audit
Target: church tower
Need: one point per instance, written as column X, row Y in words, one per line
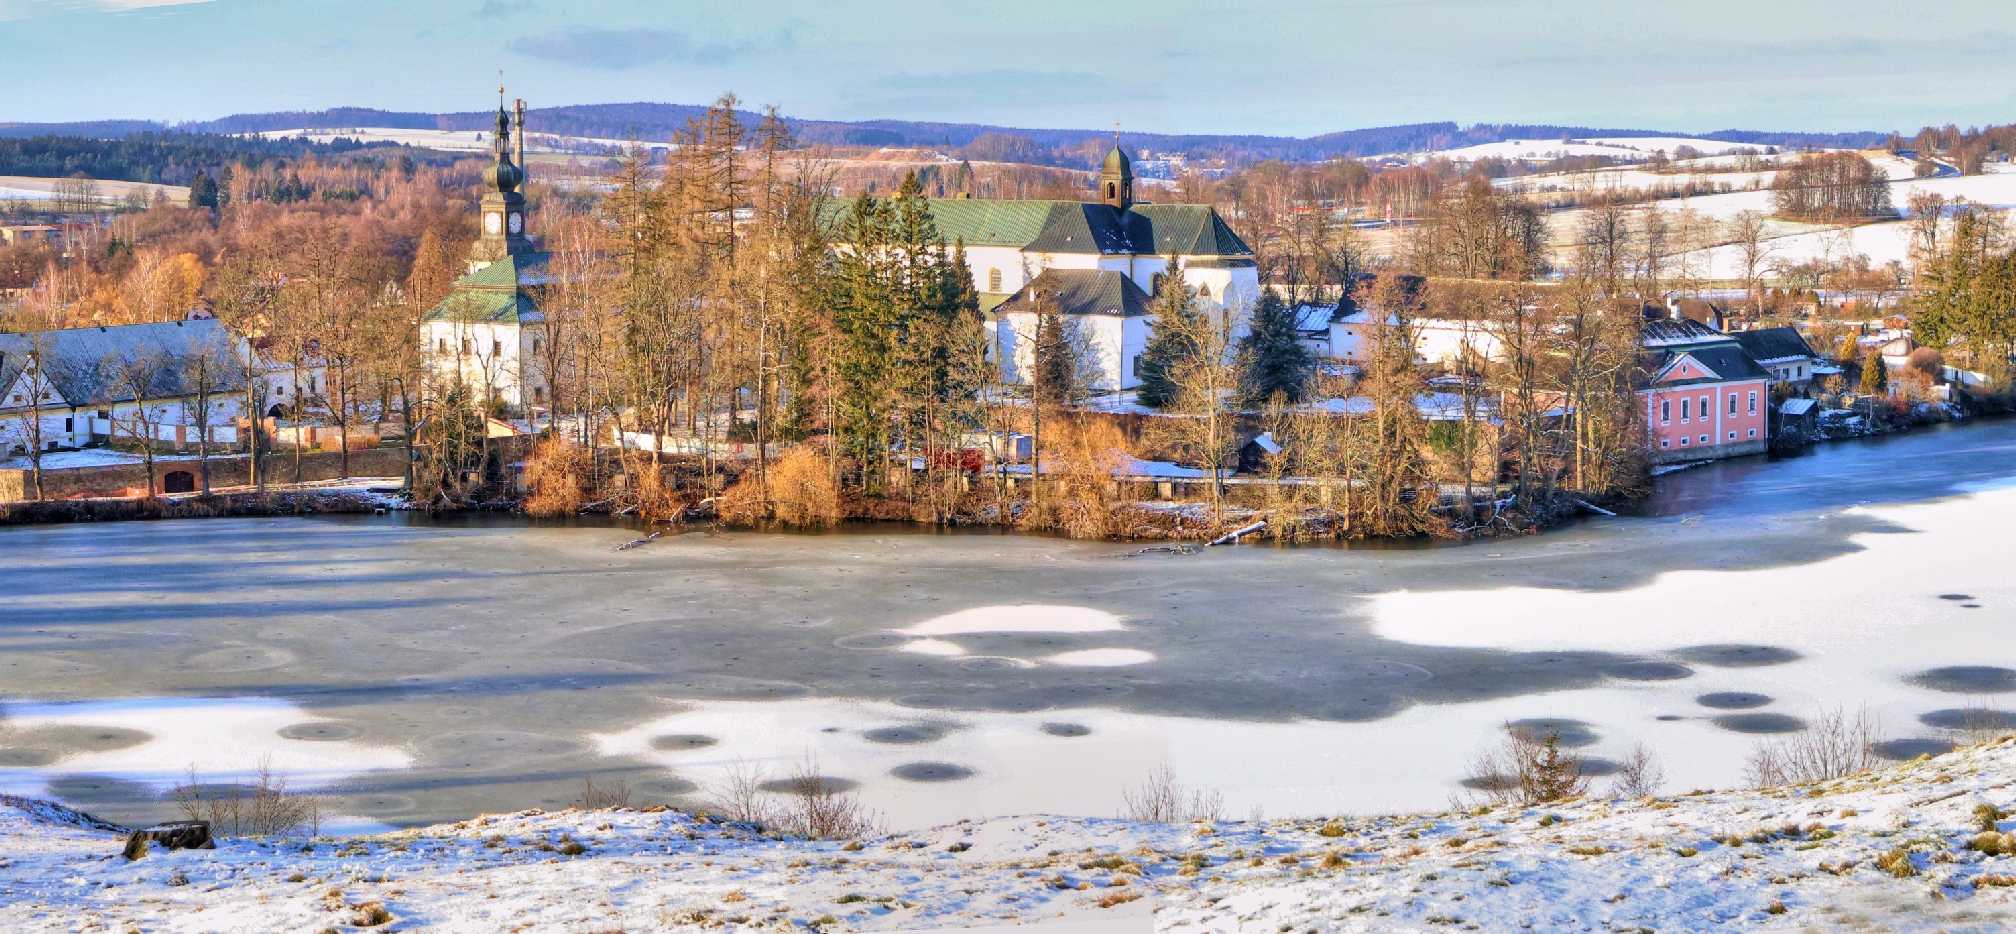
column 1116, row 180
column 503, row 229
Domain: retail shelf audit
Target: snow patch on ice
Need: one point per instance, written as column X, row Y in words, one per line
column 1101, row 658
column 1034, row 617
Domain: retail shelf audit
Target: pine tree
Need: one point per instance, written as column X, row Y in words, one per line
column 1276, row 360
column 203, row 191
column 1170, row 339
column 1056, row 378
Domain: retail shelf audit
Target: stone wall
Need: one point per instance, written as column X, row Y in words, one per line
column 131, row 479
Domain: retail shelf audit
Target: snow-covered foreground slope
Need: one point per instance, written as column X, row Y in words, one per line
column 1804, row 857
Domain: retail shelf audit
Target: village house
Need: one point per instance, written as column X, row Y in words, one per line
column 125, row 383
column 1782, row 352
column 1705, row 396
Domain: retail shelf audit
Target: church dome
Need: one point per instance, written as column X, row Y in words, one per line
column 1117, row 163
column 502, row 175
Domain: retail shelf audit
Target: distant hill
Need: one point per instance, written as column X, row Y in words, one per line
column 657, row 121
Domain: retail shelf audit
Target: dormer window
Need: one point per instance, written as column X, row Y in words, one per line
column 994, row 279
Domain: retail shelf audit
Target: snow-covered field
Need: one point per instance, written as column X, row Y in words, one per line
column 1894, row 849
column 445, row 140
column 1623, row 147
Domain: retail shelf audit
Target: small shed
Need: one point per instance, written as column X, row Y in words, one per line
column 1798, row 421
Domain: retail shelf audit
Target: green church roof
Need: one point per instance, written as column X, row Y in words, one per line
column 1078, row 226
column 497, row 292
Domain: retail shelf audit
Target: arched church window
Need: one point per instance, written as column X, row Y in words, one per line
column 994, row 279
column 1155, row 284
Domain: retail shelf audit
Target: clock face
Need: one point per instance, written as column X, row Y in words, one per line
column 517, row 223
column 491, row 222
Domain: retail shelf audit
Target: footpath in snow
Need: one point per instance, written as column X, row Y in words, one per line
column 1900, row 848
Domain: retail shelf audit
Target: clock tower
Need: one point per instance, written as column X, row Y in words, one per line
column 503, row 218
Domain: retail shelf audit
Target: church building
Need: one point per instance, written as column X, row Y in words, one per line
column 1098, row 263
column 488, row 334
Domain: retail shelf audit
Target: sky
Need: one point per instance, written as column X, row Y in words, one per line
column 1278, row 67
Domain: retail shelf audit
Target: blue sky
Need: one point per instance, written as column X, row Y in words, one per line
column 1293, row 67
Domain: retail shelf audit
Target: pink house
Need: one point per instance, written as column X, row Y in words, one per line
column 1705, row 397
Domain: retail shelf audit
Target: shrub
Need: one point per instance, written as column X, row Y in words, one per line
column 1528, row 770
column 1639, row 775
column 1162, row 800
column 803, row 493
column 615, row 794
column 266, row 807
column 817, row 809
column 557, row 477
column 1987, row 817
column 1897, row 862
column 1835, row 746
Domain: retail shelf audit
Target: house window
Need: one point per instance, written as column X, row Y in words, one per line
column 1665, row 443
column 467, row 347
column 994, row 279
column 1683, row 441
column 496, row 348
column 1155, row 283
column 1135, row 366
column 1704, row 408
column 1732, row 403
column 1753, row 402
column 1684, row 409
column 539, row 395
column 1732, row 436
column 70, row 424
column 1665, row 411
column 1704, row 439
column 1753, row 432
column 441, row 344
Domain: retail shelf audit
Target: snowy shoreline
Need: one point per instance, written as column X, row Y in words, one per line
column 1778, row 858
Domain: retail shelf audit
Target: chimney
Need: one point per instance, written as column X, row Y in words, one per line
column 521, row 134
column 1673, row 307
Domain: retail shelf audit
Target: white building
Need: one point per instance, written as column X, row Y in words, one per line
column 489, row 334
column 1010, row 244
column 120, row 383
column 1436, row 340
column 1107, row 312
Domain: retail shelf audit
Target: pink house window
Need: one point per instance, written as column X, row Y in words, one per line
column 1665, row 411
column 1732, row 406
column 1683, row 409
column 1753, row 402
column 1704, row 406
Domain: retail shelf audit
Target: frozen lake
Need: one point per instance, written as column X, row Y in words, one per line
column 426, row 671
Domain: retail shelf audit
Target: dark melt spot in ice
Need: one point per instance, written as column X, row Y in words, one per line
column 811, row 784
column 26, row 757
column 1598, row 768
column 501, row 745
column 89, row 792
column 1903, row 749
column 1965, row 718
column 1489, row 782
column 68, row 738
column 1067, row 729
column 1970, row 606
column 1967, row 679
column 988, row 663
column 1668, row 717
column 1759, row 723
column 1956, row 597
column 930, row 701
column 1648, row 671
column 1572, row 733
column 659, row 788
column 931, row 772
column 829, row 729
column 1737, row 655
column 906, row 735
column 679, row 742
column 323, row 731
column 1733, row 700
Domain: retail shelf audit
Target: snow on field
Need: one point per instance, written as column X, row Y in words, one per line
column 1622, row 147
column 158, row 741
column 1790, row 858
column 447, row 140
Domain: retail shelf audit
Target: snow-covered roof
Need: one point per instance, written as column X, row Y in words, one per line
column 1796, row 406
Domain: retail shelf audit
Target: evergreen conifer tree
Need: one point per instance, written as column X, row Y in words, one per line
column 1875, row 376
column 1276, row 361
column 1169, row 338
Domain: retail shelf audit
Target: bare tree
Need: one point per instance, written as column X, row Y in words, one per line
column 139, row 375
column 1753, row 251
